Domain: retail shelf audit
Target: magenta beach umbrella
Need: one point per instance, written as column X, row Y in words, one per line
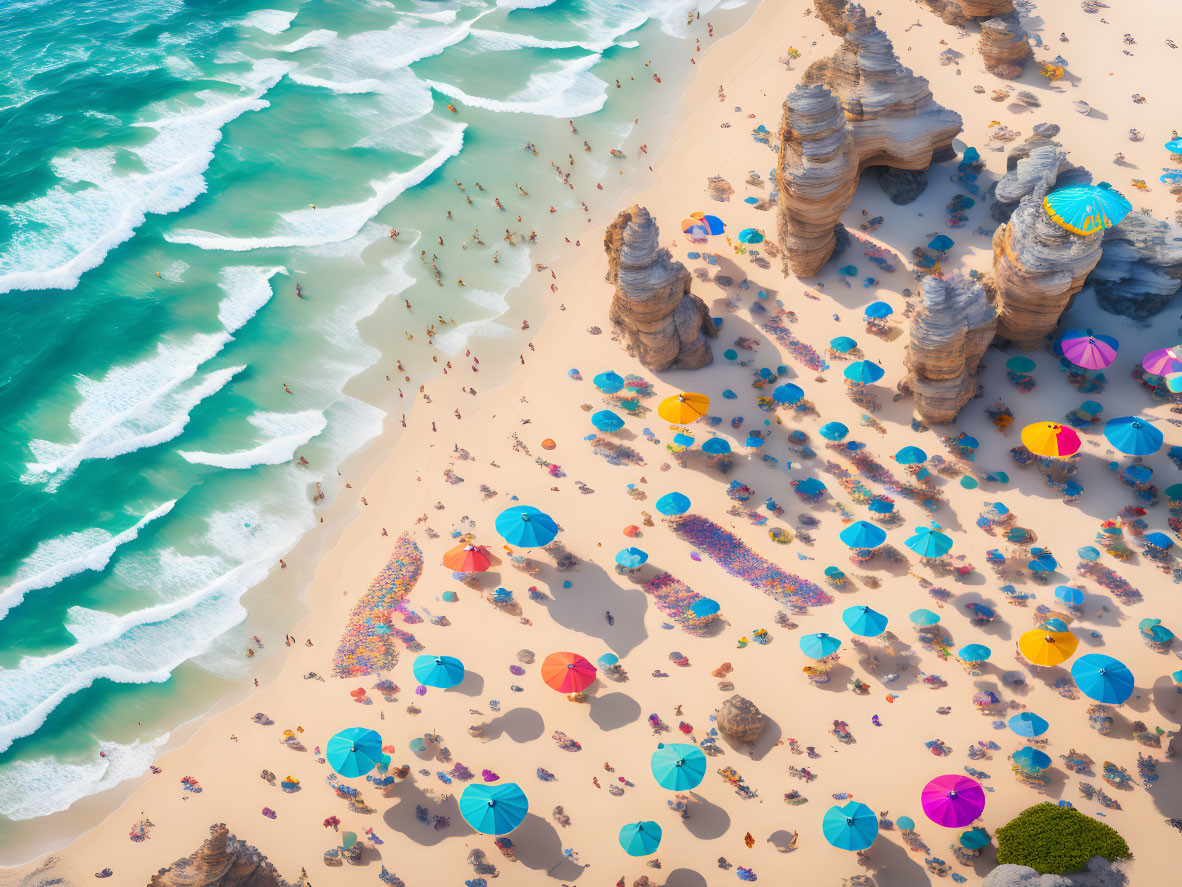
column 1161, row 362
column 952, row 801
column 1090, row 351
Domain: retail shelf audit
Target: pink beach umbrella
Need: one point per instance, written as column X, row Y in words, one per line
column 952, row 801
column 1161, row 362
column 1090, row 352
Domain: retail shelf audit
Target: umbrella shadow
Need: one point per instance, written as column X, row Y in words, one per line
column 581, row 608
column 538, row 847
column 685, row 878
column 402, row 817
column 471, row 685
column 519, row 724
column 614, row 710
column 1166, row 700
column 706, row 821
column 781, row 840
column 894, row 867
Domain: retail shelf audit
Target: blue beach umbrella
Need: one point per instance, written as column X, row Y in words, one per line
column 607, row 660
column 678, row 766
column 683, row 440
column 930, row 542
column 754, row 441
column 526, row 526
column 1158, row 540
column 640, row 838
column 494, row 809
column 878, row 310
column 862, row 534
column 1029, row 758
column 882, row 506
column 675, row 503
column 631, row 558
column 833, row 431
column 1133, row 436
column 923, row 618
column 911, row 456
column 716, row 446
column 1155, row 631
column 975, row 653
column 1103, row 678
column 703, row 607
column 1054, row 624
column 354, row 752
column 864, row 372
column 810, row 486
column 713, row 223
column 1043, row 562
column 1174, row 146
column 606, row 420
column 843, row 344
column 819, row 645
column 609, row 382
column 1028, row 724
column 1086, row 209
column 750, row 235
column 787, row 393
column 861, row 620
column 941, row 243
column 438, row 671
column 1072, row 597
column 1089, row 553
column 852, row 827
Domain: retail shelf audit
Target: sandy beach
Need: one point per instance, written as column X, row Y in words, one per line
column 462, row 459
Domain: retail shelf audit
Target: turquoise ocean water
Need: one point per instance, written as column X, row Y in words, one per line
column 158, row 172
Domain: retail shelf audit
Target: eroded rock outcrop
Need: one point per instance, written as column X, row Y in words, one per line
column 222, row 861
column 1004, row 47
column 964, row 12
column 1140, row 267
column 889, row 116
column 955, row 324
column 663, row 324
column 740, row 718
column 1045, row 166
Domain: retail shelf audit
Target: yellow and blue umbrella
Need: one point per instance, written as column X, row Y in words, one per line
column 787, row 393
column 1028, row 724
column 852, row 827
column 1103, row 678
column 1133, row 436
column 609, row 382
column 438, row 671
column 864, row 372
column 674, row 503
column 630, row 558
column 863, row 534
column 819, row 645
column 974, row 653
column 833, row 431
column 930, row 542
column 861, row 620
column 354, row 752
column 1086, row 209
column 606, row 420
column 640, row 838
column 681, row 409
column 526, row 526
column 678, row 766
column 494, row 809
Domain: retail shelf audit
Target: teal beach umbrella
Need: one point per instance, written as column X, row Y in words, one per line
column 861, row 620
column 852, row 827
column 923, row 618
column 609, row 382
column 787, row 393
column 974, row 653
column 1103, row 678
column 1021, row 364
column 941, row 243
column 834, row 431
column 631, row 558
column 864, row 372
column 819, row 645
column 494, row 809
column 750, row 235
column 911, row 456
column 354, row 752
column 843, row 344
column 438, row 671
column 1028, row 724
column 878, row 310
column 906, row 823
column 1030, row 758
column 606, row 420
column 975, row 839
column 863, row 534
column 703, row 607
column 1072, row 597
column 526, row 526
column 930, row 542
column 674, row 503
column 640, row 838
column 1086, row 209
column 678, row 766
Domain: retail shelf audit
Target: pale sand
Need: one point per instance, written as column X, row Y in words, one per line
column 887, row 766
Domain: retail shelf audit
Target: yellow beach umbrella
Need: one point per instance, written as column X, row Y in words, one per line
column 683, row 408
column 1050, row 439
column 1044, row 647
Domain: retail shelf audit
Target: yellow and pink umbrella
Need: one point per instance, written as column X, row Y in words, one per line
column 1050, row 439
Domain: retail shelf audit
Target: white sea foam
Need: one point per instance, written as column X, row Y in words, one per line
column 286, row 433
column 55, row 559
column 273, row 21
column 571, row 91
column 311, row 40
column 523, row 4
column 175, row 272
column 38, row 787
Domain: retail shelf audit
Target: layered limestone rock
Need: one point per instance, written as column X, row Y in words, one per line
column 955, row 324
column 890, row 119
column 1004, row 47
column 1043, row 167
column 663, row 324
column 964, row 12
column 1140, row 268
column 222, row 861
column 817, row 175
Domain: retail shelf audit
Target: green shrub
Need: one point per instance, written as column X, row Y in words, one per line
column 1055, row 840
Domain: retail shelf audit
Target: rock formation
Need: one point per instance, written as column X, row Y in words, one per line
column 890, row 119
column 1004, row 47
column 740, row 719
column 1099, row 873
column 955, row 324
column 964, row 12
column 222, row 861
column 664, row 325
column 1045, row 164
column 1140, row 268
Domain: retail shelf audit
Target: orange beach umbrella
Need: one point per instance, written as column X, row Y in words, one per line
column 680, row 409
column 1044, row 647
column 568, row 672
column 467, row 559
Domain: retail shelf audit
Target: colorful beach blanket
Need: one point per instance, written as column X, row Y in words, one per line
column 777, row 328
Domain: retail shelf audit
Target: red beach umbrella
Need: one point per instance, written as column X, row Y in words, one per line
column 568, row 672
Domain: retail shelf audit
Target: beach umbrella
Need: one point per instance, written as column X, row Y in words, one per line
column 1054, row 624
column 493, row 809
column 863, row 534
column 1044, row 647
column 750, row 235
column 810, row 486
column 787, row 393
column 1090, row 351
column 1174, row 146
column 1162, row 362
column 1177, row 678
column 609, row 382
column 852, row 827
column 713, row 223
column 678, row 766
column 354, row 752
column 681, row 409
column 685, row 441
column 881, row 506
column 833, row 431
column 1050, row 439
column 438, row 671
column 911, row 456
column 1086, row 209
column 675, row 503
column 819, row 645
column 703, row 607
column 1029, row 758
column 975, row 653
column 1072, row 597
column 864, row 372
column 1089, row 553
column 906, row 823
column 878, row 310
column 716, row 446
column 930, row 542
column 1133, row 436
column 567, row 672
column 1158, row 540
column 862, row 620
column 975, row 839
column 640, row 838
column 924, row 618
column 1174, row 383
column 754, row 441
column 848, row 271
column 467, row 558
column 606, row 420
column 1155, row 631
column 631, row 558
column 1021, row 364
column 940, row 243
column 1043, row 561
column 607, row 660
column 952, row 801
column 1103, row 678
column 1138, row 474
column 526, row 526
column 1028, row 724
column 843, row 344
